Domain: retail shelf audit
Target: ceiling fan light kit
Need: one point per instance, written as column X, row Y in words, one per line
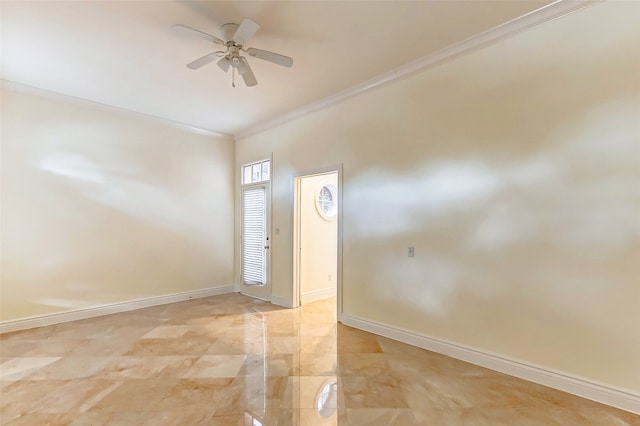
column 236, row 37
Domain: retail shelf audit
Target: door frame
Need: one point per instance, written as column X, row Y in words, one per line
column 297, row 179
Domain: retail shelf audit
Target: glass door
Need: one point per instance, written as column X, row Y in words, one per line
column 255, row 244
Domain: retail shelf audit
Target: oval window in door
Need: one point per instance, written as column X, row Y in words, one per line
column 327, row 202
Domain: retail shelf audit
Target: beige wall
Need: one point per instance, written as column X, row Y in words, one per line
column 100, row 206
column 318, row 241
column 514, row 172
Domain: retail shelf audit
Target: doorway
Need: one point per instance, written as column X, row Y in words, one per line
column 254, row 230
column 317, row 231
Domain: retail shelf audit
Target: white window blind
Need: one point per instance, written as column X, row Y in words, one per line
column 254, row 236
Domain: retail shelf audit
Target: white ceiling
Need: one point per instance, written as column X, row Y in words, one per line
column 125, row 54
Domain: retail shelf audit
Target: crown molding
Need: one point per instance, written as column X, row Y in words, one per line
column 48, row 94
column 548, row 13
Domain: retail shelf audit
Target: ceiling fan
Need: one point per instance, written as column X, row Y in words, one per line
column 235, row 39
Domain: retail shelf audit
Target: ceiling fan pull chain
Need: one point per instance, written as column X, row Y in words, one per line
column 233, row 77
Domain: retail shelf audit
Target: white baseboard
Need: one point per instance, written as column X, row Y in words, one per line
column 111, row 308
column 599, row 392
column 316, row 295
column 281, row 301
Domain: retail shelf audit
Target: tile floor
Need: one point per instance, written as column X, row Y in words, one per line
column 233, row 360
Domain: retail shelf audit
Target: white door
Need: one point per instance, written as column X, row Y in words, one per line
column 318, row 238
column 317, row 255
column 255, row 242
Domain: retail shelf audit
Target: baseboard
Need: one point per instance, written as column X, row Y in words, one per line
column 111, row 308
column 281, row 301
column 599, row 392
column 316, row 295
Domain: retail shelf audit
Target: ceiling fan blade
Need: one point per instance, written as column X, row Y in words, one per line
column 276, row 58
column 245, row 31
column 189, row 30
column 202, row 61
column 247, row 74
column 224, row 64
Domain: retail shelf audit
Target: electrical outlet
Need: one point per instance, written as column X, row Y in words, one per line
column 412, row 251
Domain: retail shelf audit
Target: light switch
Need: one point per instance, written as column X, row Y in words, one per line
column 412, row 251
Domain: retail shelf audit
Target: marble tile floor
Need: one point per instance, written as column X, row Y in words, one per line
column 233, row 360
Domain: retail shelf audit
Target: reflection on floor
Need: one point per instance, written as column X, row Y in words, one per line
column 232, row 360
